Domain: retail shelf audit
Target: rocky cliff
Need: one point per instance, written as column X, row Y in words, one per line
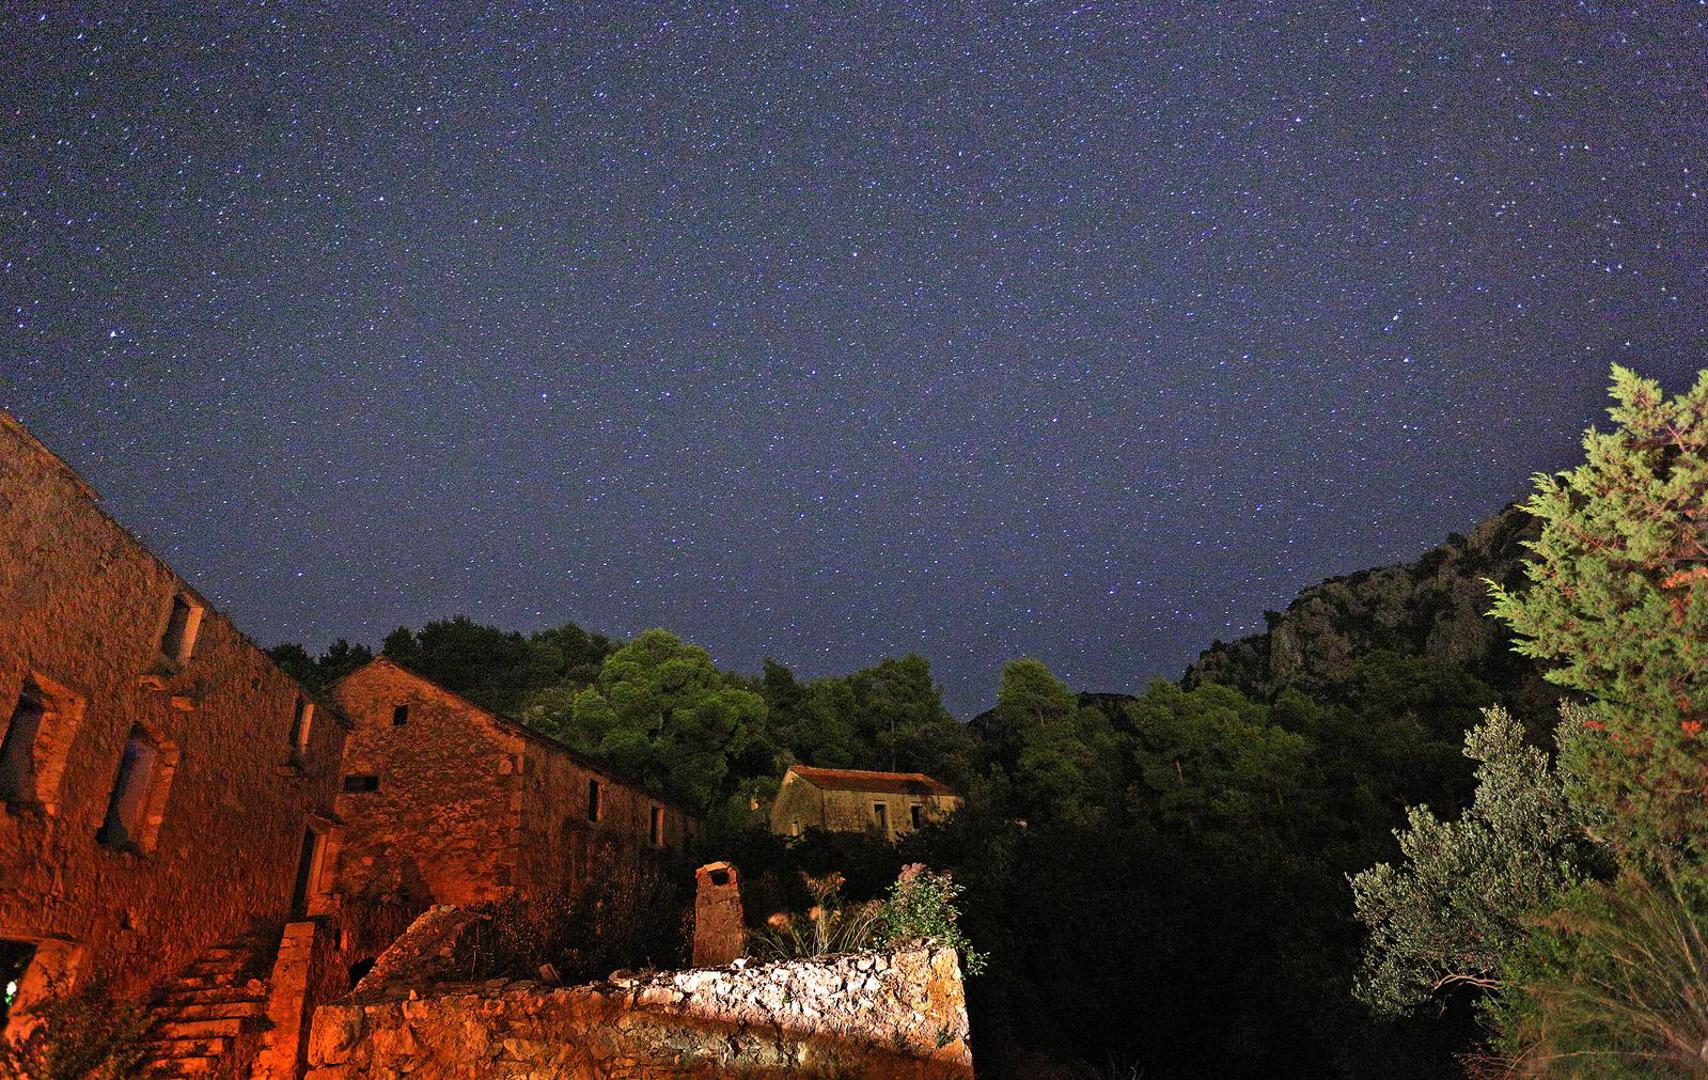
column 1432, row 607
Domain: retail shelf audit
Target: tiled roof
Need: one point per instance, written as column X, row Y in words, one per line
column 889, row 783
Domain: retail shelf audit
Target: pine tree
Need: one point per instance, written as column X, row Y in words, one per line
column 1618, row 600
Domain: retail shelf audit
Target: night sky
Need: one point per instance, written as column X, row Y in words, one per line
column 1084, row 331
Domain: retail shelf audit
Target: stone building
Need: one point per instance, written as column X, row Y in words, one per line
column 445, row 802
column 166, row 788
column 856, row 800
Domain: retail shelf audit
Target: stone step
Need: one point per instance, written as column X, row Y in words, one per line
column 207, row 995
column 183, row 1067
column 228, row 1027
column 196, row 982
column 161, row 1050
column 214, row 1010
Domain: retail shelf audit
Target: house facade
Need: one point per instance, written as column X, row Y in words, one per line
column 444, row 802
column 856, row 800
column 165, row 786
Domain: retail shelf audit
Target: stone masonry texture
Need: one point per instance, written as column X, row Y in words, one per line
column 467, row 806
column 84, row 611
column 899, row 1015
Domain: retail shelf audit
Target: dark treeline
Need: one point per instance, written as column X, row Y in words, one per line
column 1159, row 879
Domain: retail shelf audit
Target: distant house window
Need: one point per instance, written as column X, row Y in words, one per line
column 360, row 782
column 917, row 812
column 179, row 640
column 595, row 801
column 302, row 718
column 138, row 800
column 881, row 813
column 399, row 715
column 657, row 829
column 18, row 750
column 794, row 828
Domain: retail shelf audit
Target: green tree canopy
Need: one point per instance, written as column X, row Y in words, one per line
column 662, row 713
column 1618, row 602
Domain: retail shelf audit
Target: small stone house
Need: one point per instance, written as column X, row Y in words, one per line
column 445, row 802
column 857, row 800
column 164, row 786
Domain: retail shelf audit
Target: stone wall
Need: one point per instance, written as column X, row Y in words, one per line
column 561, row 847
column 899, row 1015
column 439, row 827
column 84, row 612
column 468, row 806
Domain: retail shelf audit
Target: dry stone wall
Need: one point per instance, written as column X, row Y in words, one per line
column 899, row 1015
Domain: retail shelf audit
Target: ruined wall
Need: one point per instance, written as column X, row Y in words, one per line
column 441, row 824
column 83, row 611
column 897, row 1015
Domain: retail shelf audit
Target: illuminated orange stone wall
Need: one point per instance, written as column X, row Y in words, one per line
column 470, row 806
column 83, row 609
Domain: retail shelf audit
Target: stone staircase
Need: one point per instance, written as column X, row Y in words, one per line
column 207, row 1021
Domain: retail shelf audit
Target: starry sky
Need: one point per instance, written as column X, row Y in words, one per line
column 1084, row 331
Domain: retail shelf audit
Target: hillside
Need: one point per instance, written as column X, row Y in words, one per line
column 1434, row 607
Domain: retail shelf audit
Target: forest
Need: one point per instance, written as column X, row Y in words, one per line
column 1417, row 827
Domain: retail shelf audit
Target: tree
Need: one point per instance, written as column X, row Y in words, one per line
column 1618, row 600
column 1451, row 912
column 1063, row 759
column 661, row 712
column 339, row 659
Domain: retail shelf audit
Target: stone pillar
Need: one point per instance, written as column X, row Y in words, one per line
column 305, row 950
column 719, row 936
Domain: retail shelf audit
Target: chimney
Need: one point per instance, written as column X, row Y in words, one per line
column 719, row 936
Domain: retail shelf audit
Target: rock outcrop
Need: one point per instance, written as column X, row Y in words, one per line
column 1434, row 607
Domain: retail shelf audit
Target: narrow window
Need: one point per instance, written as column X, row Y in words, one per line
column 918, row 814
column 657, row 830
column 881, row 812
column 308, row 871
column 18, row 750
column 595, row 801
column 358, row 783
column 127, row 808
column 399, row 715
column 179, row 641
column 301, row 720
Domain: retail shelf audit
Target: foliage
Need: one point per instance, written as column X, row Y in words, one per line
column 1618, row 599
column 1613, row 983
column 82, row 1035
column 495, row 668
column 1058, row 758
column 321, row 671
column 830, row 925
column 630, row 917
column 1456, row 906
column 921, row 906
column 660, row 712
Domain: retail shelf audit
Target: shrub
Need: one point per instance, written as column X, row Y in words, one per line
column 829, row 926
column 922, row 907
column 83, row 1035
column 630, row 918
column 1612, row 983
